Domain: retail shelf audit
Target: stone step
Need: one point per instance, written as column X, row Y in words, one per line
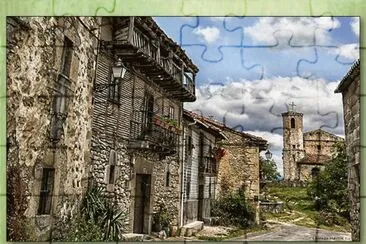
column 191, row 228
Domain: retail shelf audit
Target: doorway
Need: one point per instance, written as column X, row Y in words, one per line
column 142, row 203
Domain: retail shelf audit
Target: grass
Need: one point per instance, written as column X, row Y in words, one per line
column 299, row 208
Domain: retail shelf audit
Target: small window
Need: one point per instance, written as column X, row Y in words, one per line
column 66, row 57
column 111, row 174
column 189, row 144
column 167, row 179
column 319, row 147
column 45, row 199
column 111, row 168
column 292, row 123
column 171, row 112
column 315, row 172
column 293, row 146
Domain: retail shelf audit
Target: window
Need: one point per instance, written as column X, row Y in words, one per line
column 292, row 123
column 167, row 179
column 319, row 147
column 114, row 90
column 189, row 144
column 111, row 168
column 293, row 146
column 171, row 112
column 149, row 110
column 45, row 198
column 60, row 97
column 315, row 172
column 66, row 57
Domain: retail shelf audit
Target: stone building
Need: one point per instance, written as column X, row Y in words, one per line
column 201, row 157
column 50, row 73
column 93, row 102
column 350, row 89
column 304, row 153
column 137, row 119
column 238, row 167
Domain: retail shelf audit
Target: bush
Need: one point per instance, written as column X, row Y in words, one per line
column 99, row 219
column 329, row 188
column 233, row 209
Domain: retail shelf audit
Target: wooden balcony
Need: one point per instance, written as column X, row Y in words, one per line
column 143, row 45
column 147, row 134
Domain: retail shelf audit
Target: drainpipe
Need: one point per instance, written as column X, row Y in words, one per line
column 182, row 184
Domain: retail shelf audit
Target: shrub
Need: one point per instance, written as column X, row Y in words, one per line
column 99, row 219
column 233, row 209
column 329, row 188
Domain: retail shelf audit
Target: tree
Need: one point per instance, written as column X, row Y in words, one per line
column 268, row 169
column 329, row 188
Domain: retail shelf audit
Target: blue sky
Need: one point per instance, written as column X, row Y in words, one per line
column 252, row 67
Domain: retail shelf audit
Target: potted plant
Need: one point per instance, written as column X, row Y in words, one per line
column 161, row 220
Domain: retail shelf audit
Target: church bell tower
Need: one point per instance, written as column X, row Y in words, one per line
column 293, row 143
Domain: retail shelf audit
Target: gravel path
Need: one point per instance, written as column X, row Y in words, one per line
column 292, row 232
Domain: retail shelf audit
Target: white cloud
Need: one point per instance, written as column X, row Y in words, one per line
column 302, row 29
column 256, row 106
column 208, row 34
column 355, row 24
column 349, row 51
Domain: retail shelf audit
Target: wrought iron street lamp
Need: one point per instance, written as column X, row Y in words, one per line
column 268, row 155
column 119, row 70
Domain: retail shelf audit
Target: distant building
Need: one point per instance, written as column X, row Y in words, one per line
column 350, row 89
column 304, row 154
column 238, row 167
column 201, row 156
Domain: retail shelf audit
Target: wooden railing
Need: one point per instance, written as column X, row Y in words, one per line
column 146, row 45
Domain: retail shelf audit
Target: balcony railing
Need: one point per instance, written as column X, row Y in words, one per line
column 148, row 134
column 159, row 61
column 208, row 166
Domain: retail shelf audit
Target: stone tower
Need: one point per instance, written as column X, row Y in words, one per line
column 293, row 143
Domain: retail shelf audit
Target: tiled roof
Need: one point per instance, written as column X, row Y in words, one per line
column 210, row 123
column 349, row 77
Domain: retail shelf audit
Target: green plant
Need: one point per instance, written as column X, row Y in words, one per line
column 233, row 209
column 99, row 219
column 329, row 188
column 162, row 217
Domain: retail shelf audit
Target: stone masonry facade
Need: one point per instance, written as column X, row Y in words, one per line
column 304, row 153
column 50, row 72
column 350, row 89
column 71, row 124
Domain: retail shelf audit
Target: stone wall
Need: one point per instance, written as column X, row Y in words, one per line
column 320, row 142
column 34, row 59
column 305, row 171
column 351, row 110
column 239, row 168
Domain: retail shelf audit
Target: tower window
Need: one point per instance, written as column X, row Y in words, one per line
column 292, row 123
column 319, row 147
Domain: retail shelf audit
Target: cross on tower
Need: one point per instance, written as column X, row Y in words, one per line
column 292, row 106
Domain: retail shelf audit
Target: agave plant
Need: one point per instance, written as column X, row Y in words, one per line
column 99, row 211
column 112, row 221
column 94, row 205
